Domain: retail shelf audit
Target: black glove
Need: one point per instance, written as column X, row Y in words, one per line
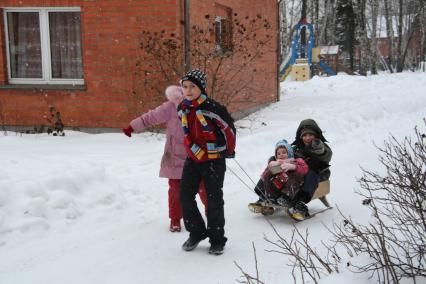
column 317, row 147
column 230, row 156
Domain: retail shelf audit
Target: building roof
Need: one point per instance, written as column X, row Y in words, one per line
column 329, row 49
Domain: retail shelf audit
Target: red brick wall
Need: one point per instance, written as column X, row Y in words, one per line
column 110, row 42
column 264, row 86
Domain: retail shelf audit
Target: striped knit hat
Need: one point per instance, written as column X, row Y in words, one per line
column 197, row 77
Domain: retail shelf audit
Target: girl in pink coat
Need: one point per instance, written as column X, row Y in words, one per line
column 174, row 152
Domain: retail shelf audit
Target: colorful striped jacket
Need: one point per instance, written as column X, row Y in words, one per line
column 200, row 145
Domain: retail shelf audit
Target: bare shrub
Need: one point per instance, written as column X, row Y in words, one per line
column 230, row 64
column 395, row 238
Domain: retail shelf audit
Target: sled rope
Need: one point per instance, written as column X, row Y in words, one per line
column 235, row 160
column 240, row 179
column 243, row 182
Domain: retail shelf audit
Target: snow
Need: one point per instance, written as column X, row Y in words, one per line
column 90, row 208
column 329, row 49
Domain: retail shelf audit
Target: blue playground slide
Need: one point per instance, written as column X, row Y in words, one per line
column 296, row 48
column 296, row 51
column 327, row 69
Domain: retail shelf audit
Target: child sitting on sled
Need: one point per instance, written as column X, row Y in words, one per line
column 283, row 177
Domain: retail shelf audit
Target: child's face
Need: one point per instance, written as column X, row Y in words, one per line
column 282, row 154
column 307, row 138
column 190, row 90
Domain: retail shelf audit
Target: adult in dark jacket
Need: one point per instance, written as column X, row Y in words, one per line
column 310, row 144
column 209, row 139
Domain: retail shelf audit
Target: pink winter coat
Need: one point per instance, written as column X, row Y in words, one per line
column 174, row 152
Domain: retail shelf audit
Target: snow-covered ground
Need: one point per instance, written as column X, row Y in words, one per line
column 90, row 208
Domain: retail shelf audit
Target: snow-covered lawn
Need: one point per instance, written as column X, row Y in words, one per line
column 90, row 208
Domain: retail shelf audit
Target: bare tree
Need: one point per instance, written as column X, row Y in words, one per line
column 345, row 29
column 374, row 50
column 365, row 54
column 326, row 35
column 249, row 279
column 229, row 61
column 410, row 19
column 399, row 66
column 284, row 30
column 389, row 32
column 306, row 263
column 314, row 9
column 423, row 29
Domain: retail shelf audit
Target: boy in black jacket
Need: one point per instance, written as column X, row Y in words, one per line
column 209, row 139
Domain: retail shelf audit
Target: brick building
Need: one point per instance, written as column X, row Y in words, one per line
column 78, row 57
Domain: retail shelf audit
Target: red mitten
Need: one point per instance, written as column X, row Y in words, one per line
column 128, row 131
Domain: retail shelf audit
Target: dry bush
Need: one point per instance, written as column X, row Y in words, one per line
column 230, row 65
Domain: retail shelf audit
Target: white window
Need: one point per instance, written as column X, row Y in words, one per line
column 218, row 32
column 44, row 45
column 223, row 34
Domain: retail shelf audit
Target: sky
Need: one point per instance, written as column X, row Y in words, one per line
column 90, row 208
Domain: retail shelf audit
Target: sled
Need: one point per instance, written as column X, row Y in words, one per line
column 266, row 208
column 322, row 190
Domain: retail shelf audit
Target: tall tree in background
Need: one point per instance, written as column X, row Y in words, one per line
column 389, row 32
column 399, row 44
column 365, row 55
column 345, row 29
column 314, row 9
column 284, row 31
column 423, row 30
column 303, row 31
column 326, row 35
column 374, row 47
column 410, row 14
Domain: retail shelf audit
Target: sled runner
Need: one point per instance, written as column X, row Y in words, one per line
column 268, row 208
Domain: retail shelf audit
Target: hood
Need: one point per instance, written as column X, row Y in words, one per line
column 174, row 94
column 311, row 125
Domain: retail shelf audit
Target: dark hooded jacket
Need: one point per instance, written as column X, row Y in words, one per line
column 318, row 154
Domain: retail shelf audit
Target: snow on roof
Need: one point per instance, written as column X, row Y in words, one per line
column 329, row 49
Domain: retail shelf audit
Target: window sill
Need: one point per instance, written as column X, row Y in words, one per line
column 44, row 87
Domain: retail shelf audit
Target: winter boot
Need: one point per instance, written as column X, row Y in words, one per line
column 175, row 226
column 284, row 201
column 257, row 207
column 191, row 244
column 300, row 211
column 216, row 249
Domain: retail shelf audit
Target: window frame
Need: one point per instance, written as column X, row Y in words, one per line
column 43, row 13
column 218, row 32
column 223, row 30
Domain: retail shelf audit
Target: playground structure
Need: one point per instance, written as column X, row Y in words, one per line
column 302, row 56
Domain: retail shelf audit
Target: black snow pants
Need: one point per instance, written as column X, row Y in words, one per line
column 212, row 173
column 310, row 184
